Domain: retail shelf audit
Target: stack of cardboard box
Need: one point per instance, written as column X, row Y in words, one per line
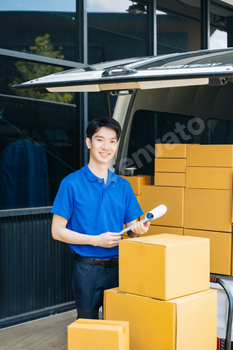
column 195, row 183
column 208, row 201
column 164, row 293
column 168, row 189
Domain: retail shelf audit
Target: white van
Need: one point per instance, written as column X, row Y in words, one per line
column 177, row 98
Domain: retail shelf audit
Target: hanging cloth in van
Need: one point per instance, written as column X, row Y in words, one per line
column 23, row 176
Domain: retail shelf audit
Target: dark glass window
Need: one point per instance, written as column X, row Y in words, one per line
column 177, row 34
column 38, row 148
column 115, row 33
column 98, row 106
column 21, row 22
column 39, row 133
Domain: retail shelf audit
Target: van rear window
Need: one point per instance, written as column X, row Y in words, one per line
column 218, row 132
column 149, row 128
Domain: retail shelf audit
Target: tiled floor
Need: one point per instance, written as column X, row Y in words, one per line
column 47, row 333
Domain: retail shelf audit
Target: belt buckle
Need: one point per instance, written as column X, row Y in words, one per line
column 106, row 263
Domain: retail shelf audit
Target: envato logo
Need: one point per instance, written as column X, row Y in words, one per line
column 170, row 140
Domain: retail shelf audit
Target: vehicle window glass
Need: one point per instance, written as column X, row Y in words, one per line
column 149, row 128
column 230, row 134
column 218, row 132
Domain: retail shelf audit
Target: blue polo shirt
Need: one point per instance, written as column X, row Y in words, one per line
column 92, row 207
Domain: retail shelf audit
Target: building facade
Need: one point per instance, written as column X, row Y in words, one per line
column 42, row 136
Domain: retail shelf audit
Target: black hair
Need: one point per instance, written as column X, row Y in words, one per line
column 106, row 122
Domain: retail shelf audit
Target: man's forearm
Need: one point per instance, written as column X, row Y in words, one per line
column 61, row 233
column 65, row 235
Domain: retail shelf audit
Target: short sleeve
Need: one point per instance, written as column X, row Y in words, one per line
column 132, row 207
column 63, row 203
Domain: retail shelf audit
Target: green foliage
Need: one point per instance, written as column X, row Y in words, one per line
column 29, row 70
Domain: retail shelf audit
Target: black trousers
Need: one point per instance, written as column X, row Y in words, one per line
column 89, row 283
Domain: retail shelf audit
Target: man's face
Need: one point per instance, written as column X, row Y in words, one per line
column 103, row 145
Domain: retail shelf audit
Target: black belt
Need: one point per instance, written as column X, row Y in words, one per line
column 95, row 261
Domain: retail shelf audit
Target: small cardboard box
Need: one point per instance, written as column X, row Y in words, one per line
column 208, row 210
column 157, row 230
column 170, row 179
column 210, row 155
column 187, row 323
column 170, row 165
column 209, row 178
column 172, row 197
column 164, row 266
column 137, row 181
column 88, row 334
column 220, row 249
column 170, row 150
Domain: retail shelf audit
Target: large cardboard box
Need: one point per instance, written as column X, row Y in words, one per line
column 172, row 197
column 208, row 209
column 170, row 150
column 172, row 165
column 170, row 179
column 138, row 196
column 137, row 181
column 220, row 249
column 88, row 334
column 187, row 323
column 164, row 266
column 210, row 155
column 156, row 230
column 209, row 178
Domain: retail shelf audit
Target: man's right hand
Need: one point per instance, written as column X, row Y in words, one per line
column 107, row 239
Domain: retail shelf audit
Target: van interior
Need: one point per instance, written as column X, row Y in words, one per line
column 194, row 114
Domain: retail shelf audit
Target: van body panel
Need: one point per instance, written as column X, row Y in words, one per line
column 181, row 69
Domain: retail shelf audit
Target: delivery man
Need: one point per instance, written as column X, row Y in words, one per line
column 90, row 208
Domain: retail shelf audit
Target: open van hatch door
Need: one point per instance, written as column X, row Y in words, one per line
column 203, row 67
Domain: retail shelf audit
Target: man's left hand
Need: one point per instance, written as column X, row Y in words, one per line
column 138, row 228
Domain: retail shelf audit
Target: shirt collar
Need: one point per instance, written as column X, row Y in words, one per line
column 112, row 177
